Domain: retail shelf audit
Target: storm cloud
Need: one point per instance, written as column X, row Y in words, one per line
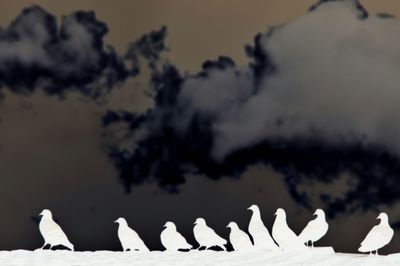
column 36, row 52
column 318, row 98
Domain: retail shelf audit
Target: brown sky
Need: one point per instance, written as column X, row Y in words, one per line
column 52, row 135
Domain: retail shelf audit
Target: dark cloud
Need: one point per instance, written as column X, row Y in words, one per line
column 311, row 104
column 149, row 46
column 35, row 52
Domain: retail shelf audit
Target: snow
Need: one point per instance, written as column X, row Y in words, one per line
column 207, row 258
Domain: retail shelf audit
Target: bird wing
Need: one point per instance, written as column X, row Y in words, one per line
column 374, row 237
column 261, row 235
column 214, row 237
column 308, row 231
column 134, row 240
column 243, row 239
column 172, row 239
column 182, row 240
column 53, row 233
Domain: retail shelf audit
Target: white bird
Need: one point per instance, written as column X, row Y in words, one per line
column 315, row 229
column 283, row 235
column 239, row 239
column 129, row 239
column 206, row 236
column 171, row 239
column 52, row 232
column 379, row 236
column 261, row 236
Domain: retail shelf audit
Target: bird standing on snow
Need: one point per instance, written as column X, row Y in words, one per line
column 52, row 232
column 261, row 237
column 315, row 229
column 129, row 239
column 239, row 239
column 171, row 239
column 206, row 236
column 379, row 236
column 283, row 235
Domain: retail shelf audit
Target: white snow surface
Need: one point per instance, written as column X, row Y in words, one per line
column 192, row 258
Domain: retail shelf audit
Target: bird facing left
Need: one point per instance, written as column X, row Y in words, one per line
column 52, row 233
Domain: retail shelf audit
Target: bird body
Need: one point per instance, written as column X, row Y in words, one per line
column 283, row 235
column 315, row 229
column 52, row 232
column 379, row 236
column 206, row 236
column 129, row 239
column 261, row 236
column 172, row 240
column 240, row 240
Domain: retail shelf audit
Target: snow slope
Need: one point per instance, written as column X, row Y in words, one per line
column 207, row 258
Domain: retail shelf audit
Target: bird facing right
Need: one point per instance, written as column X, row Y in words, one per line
column 315, row 229
column 379, row 236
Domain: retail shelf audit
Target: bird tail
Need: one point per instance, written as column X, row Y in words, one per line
column 302, row 238
column 70, row 246
column 145, row 248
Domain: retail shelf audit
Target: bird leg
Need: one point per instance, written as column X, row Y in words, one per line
column 43, row 246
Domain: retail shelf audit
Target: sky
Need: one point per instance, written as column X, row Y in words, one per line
column 303, row 116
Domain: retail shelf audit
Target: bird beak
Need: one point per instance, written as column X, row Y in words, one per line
column 116, row 221
column 195, row 223
column 249, row 208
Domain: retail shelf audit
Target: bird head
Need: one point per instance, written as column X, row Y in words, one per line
column 120, row 220
column 253, row 208
column 319, row 212
column 383, row 217
column 232, row 225
column 46, row 213
column 200, row 221
column 169, row 225
column 280, row 212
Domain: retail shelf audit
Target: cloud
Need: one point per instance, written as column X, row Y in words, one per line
column 319, row 97
column 36, row 52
